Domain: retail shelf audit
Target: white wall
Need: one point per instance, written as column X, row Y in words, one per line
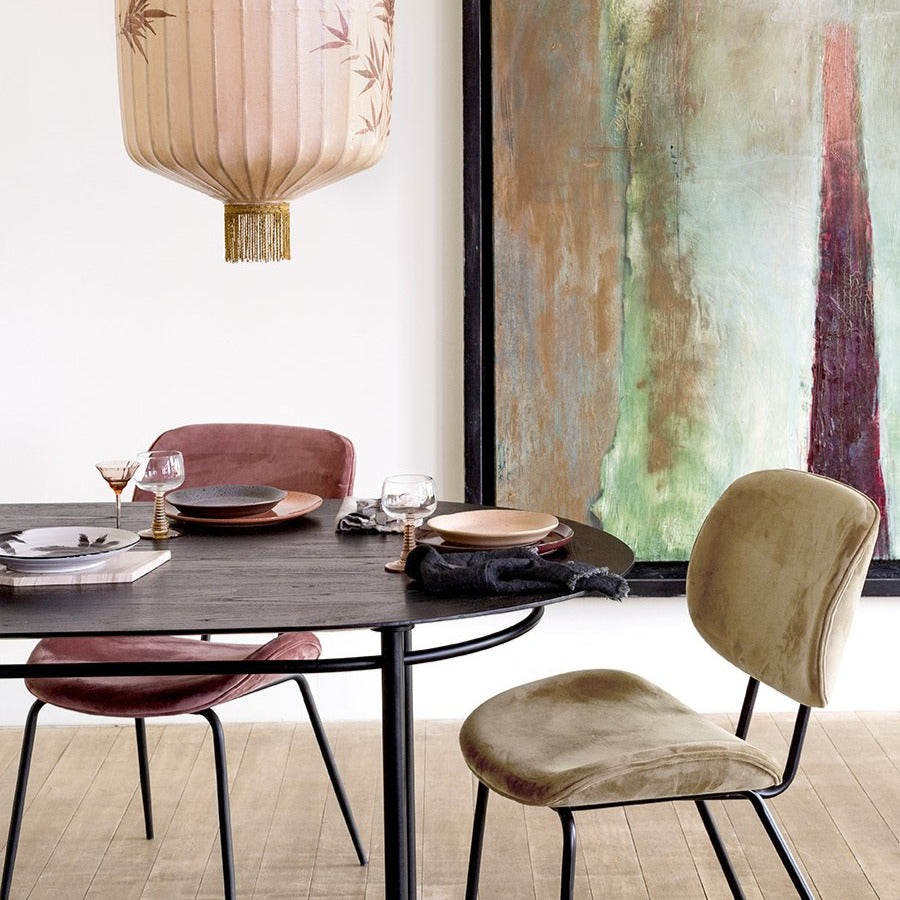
column 120, row 320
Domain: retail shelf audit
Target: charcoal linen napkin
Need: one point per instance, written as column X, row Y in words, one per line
column 365, row 515
column 519, row 570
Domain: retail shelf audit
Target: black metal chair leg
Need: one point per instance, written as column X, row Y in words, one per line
column 218, row 737
column 784, row 853
column 328, row 757
column 140, row 733
column 719, row 847
column 481, row 802
column 18, row 806
column 567, row 877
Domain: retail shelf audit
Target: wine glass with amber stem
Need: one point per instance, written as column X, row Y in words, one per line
column 159, row 471
column 407, row 497
column 117, row 473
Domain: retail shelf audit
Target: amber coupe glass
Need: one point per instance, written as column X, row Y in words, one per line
column 117, row 473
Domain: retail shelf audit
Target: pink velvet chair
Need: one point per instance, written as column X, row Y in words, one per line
column 284, row 456
column 292, row 458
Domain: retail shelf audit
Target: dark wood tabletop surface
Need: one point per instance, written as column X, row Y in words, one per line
column 297, row 575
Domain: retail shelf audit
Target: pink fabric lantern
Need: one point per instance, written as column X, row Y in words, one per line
column 255, row 102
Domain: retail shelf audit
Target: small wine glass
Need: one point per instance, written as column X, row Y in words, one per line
column 407, row 497
column 117, row 473
column 159, row 471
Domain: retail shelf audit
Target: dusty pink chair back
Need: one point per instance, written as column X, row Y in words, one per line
column 285, row 456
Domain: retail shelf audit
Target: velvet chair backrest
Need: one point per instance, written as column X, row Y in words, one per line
column 775, row 576
column 284, row 456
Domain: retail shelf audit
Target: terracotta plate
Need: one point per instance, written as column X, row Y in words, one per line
column 294, row 505
column 493, row 527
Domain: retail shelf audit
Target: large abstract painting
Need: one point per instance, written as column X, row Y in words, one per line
column 691, row 221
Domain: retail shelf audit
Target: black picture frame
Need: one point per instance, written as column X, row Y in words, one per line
column 645, row 578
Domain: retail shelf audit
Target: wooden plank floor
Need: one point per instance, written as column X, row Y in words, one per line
column 83, row 831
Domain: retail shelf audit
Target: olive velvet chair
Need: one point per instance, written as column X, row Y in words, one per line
column 292, row 458
column 773, row 581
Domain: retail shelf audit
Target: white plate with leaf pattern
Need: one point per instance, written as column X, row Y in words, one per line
column 62, row 549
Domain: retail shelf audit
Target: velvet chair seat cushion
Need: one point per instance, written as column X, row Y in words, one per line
column 155, row 695
column 604, row 736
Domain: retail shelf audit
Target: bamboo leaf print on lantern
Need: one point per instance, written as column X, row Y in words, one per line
column 375, row 67
column 137, row 21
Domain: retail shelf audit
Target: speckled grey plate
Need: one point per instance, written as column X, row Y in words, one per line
column 225, row 501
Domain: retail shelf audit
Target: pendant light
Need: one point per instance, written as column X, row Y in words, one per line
column 255, row 102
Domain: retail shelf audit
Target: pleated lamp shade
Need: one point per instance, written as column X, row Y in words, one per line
column 255, row 102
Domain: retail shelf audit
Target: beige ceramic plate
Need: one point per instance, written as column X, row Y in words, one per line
column 294, row 505
column 493, row 527
column 555, row 540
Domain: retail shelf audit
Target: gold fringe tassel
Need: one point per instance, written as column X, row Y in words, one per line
column 257, row 232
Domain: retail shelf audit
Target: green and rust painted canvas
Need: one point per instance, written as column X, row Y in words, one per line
column 696, row 254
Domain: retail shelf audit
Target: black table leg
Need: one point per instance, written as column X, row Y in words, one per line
column 399, row 844
column 410, row 769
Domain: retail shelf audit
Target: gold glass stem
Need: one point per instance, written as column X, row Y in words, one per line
column 409, row 541
column 159, row 529
column 160, row 526
column 409, row 538
column 118, row 508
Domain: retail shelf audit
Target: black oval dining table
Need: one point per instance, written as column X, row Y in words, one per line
column 296, row 576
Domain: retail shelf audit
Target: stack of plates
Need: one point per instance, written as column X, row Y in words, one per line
column 239, row 504
column 483, row 529
column 62, row 549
